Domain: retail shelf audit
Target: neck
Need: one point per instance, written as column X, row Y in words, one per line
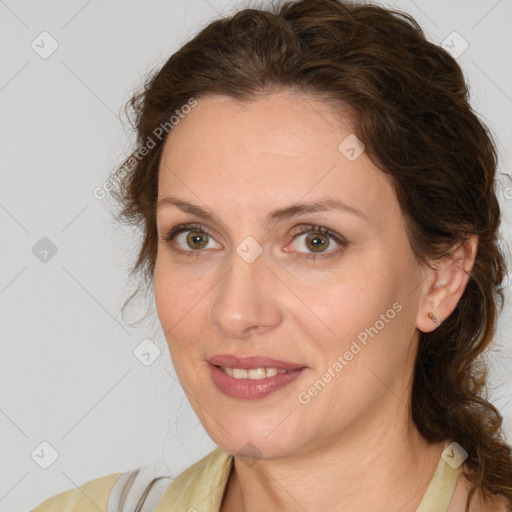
column 386, row 466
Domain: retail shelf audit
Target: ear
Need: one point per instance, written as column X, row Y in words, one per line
column 444, row 286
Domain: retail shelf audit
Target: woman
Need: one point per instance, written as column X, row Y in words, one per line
column 320, row 228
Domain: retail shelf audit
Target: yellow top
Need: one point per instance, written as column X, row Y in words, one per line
column 200, row 488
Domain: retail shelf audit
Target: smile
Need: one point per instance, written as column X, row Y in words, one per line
column 251, row 373
column 252, row 377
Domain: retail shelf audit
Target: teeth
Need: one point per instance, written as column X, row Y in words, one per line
column 256, row 373
column 240, row 373
column 251, row 373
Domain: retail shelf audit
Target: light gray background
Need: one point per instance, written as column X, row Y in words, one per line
column 69, row 376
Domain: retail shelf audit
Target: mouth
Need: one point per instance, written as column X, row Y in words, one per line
column 251, row 373
column 252, row 377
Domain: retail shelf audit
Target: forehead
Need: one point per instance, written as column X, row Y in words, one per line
column 280, row 149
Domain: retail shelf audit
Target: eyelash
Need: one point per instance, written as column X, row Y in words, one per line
column 173, row 232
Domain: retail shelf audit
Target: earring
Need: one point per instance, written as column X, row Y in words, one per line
column 432, row 317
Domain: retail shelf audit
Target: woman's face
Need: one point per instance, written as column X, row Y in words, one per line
column 246, row 285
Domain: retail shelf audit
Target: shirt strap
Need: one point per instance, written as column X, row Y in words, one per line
column 442, row 486
column 133, row 492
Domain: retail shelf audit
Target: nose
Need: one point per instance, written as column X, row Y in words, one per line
column 247, row 300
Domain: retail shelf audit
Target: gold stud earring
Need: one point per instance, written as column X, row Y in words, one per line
column 432, row 317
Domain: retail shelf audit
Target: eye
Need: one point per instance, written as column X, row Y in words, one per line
column 193, row 237
column 319, row 239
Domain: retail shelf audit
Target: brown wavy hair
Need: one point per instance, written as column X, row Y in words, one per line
column 410, row 106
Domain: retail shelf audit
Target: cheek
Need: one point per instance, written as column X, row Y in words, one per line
column 178, row 301
column 353, row 300
column 172, row 303
column 366, row 318
column 356, row 366
column 165, row 295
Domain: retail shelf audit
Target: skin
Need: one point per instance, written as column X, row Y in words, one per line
column 354, row 446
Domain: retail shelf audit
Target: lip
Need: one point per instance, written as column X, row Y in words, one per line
column 250, row 389
column 256, row 361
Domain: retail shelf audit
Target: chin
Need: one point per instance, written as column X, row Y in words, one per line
column 253, row 440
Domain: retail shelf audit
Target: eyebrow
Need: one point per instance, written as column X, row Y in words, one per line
column 277, row 215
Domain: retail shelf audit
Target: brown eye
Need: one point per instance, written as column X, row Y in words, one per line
column 312, row 242
column 197, row 239
column 317, row 242
column 190, row 239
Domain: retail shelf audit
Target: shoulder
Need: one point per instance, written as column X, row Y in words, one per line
column 497, row 503
column 201, row 486
column 128, row 491
column 90, row 496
